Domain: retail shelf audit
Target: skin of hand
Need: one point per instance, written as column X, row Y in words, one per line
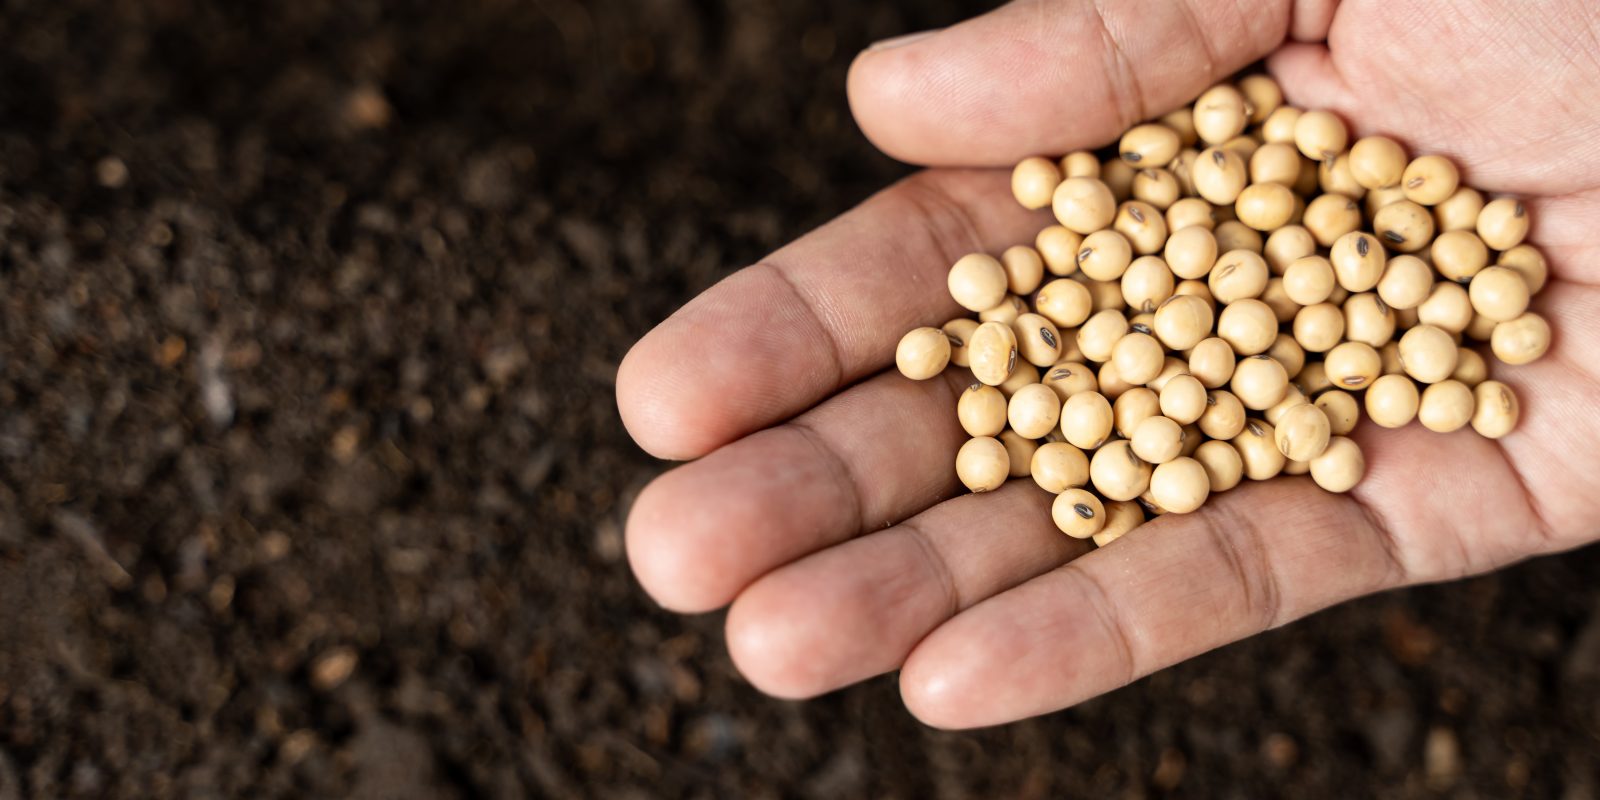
column 821, row 501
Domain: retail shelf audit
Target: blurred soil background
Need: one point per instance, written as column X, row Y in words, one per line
column 311, row 479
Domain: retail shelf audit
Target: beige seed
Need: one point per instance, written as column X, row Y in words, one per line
column 1149, row 145
column 959, row 331
column 1059, row 466
column 1471, row 369
column 1377, row 162
column 982, row 410
column 1078, row 513
column 1194, row 288
column 1111, row 384
column 1319, row 328
column 1067, row 378
column 1006, row 312
column 1275, row 163
column 982, row 464
column 1238, row 274
column 1302, row 432
column 1529, row 263
column 1389, row 354
column 1105, row 255
column 1099, row 334
column 1034, row 411
column 1180, row 485
column 1065, row 303
column 1172, row 368
column 1134, row 406
column 1034, row 181
column 1182, row 321
column 1262, row 96
column 1320, row 135
column 1190, row 212
column 1183, row 399
column 1447, row 307
column 992, row 352
column 1219, row 175
column 1353, row 365
column 1496, row 409
column 1019, row 453
column 1446, row 406
column 1404, row 226
column 1117, row 175
column 1265, row 206
column 1235, row 235
column 1335, row 178
column 1191, row 252
column 1023, row 375
column 1142, row 225
column 1038, row 339
column 1086, row 420
column 1522, row 340
column 1406, row 282
column 1212, row 362
column 1341, row 410
column 922, row 353
column 1278, row 127
column 1277, row 299
column 1224, row 468
column 1157, row 440
column 1024, row 268
column 1503, row 223
column 1458, row 255
column 1258, row 449
column 1158, row 187
column 977, row 282
column 1181, row 120
column 1287, row 245
column 1248, row 326
column 1498, row 293
column 1378, row 199
column 1313, row 380
column 1358, row 260
column 1481, row 328
column 1430, row 180
column 1340, row 467
column 1084, row 205
column 1080, row 164
column 1058, row 247
column 1121, row 518
column 1392, row 401
column 1220, row 114
column 1138, row 357
column 1459, row 211
column 1331, row 216
column 1224, row 416
column 1293, row 397
column 1118, row 474
column 1259, row 382
column 1310, row 280
column 1428, row 353
column 1288, row 352
column 1147, row 283
column 1368, row 319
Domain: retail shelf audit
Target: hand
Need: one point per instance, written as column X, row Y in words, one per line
column 823, row 503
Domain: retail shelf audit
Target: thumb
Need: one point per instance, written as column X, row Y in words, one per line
column 1050, row 76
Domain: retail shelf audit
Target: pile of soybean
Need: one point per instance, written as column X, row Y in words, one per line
column 1221, row 299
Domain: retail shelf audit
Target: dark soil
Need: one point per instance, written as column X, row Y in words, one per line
column 311, row 481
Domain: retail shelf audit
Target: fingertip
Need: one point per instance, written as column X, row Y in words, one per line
column 878, row 87
column 648, row 403
column 933, row 688
column 1308, row 76
column 768, row 641
column 663, row 540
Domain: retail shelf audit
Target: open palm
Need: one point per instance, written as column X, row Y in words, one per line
column 823, row 503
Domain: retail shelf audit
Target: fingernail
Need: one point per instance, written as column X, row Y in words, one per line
column 900, row 41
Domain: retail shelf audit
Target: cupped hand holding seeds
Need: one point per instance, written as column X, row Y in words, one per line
column 824, row 500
